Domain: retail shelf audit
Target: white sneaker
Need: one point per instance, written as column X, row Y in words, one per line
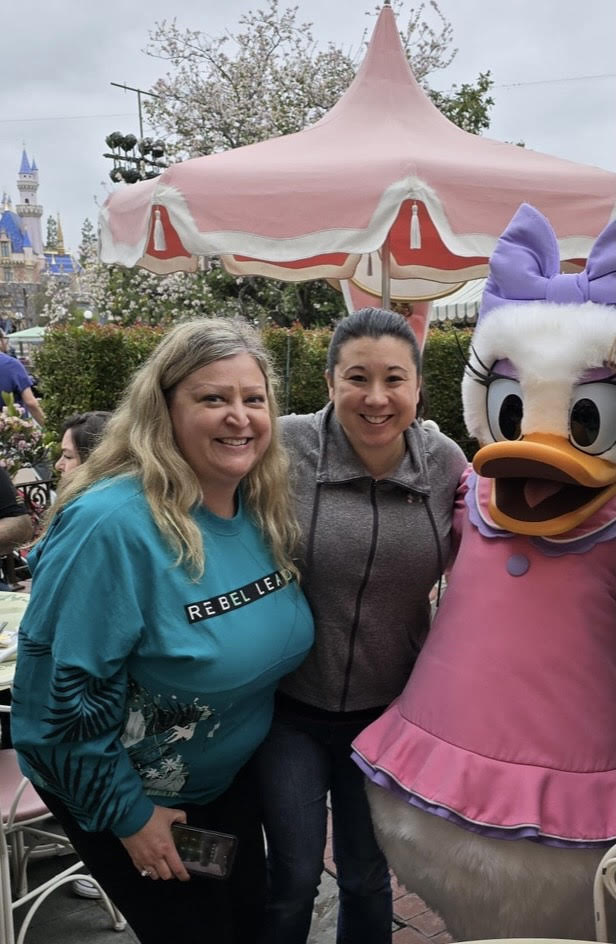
column 85, row 888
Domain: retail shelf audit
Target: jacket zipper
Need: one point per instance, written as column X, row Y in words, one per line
column 364, row 583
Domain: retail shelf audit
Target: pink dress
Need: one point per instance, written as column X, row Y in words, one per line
column 508, row 722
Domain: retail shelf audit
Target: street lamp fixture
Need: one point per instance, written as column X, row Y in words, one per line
column 131, row 167
column 134, row 159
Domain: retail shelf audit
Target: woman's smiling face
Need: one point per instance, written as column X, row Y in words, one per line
column 221, row 420
column 374, row 389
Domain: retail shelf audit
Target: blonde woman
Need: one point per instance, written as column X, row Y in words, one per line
column 164, row 610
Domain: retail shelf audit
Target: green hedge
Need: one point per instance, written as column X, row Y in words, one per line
column 88, row 368
column 443, row 368
column 299, row 356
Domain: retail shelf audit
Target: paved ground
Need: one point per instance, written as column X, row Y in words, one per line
column 63, row 918
column 414, row 923
column 66, row 919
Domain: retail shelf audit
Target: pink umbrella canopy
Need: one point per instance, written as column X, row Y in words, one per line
column 382, row 182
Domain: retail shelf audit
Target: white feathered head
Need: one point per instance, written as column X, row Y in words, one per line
column 539, row 391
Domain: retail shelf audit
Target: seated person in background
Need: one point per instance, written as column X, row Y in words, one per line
column 80, row 434
column 15, row 379
column 15, row 523
column 15, row 529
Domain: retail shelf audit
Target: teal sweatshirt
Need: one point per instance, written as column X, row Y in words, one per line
column 136, row 685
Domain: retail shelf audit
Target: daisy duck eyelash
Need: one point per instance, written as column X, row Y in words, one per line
column 589, row 378
column 486, row 375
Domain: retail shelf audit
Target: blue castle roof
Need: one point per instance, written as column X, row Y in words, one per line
column 60, row 264
column 12, row 226
column 25, row 164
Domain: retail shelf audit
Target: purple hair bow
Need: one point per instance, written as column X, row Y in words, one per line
column 525, row 266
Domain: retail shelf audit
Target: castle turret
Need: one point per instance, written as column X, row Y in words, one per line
column 60, row 245
column 29, row 211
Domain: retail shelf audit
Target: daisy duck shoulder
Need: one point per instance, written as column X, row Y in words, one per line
column 492, row 778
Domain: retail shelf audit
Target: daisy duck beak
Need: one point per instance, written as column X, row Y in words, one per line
column 543, row 485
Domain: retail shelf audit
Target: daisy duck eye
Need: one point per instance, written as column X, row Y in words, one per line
column 592, row 417
column 505, row 408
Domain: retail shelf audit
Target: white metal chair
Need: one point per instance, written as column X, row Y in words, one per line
column 20, row 838
column 23, row 838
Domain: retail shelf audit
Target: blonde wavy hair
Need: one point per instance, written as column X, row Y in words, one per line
column 138, row 440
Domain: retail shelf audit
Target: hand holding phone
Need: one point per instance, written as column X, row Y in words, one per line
column 205, row 851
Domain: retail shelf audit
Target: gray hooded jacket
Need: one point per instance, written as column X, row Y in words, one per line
column 371, row 550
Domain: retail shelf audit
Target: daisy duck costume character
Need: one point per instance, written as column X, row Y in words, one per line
column 492, row 778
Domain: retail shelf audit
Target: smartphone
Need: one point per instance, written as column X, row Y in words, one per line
column 204, row 851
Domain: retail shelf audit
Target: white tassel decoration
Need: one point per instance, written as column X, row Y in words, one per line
column 160, row 243
column 415, row 230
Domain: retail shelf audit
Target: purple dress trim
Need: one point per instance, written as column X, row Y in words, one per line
column 551, row 547
column 532, row 833
column 486, row 529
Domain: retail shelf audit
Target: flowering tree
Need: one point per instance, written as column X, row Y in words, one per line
column 123, row 296
column 58, row 300
column 87, row 246
column 267, row 79
column 135, row 296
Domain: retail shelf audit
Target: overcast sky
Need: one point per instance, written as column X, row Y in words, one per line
column 552, row 62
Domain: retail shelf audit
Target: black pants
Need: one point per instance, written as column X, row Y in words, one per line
column 5, row 720
column 201, row 911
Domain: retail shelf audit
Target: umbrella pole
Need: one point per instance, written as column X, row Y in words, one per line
column 385, row 270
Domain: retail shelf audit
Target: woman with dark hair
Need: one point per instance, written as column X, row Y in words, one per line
column 81, row 432
column 374, row 494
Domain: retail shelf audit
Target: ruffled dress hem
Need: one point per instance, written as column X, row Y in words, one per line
column 495, row 798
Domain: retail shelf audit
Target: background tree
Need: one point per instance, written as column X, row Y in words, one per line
column 51, row 242
column 88, row 244
column 57, row 304
column 467, row 106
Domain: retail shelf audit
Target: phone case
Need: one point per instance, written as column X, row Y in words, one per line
column 204, row 851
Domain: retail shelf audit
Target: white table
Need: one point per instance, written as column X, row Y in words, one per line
column 12, row 606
